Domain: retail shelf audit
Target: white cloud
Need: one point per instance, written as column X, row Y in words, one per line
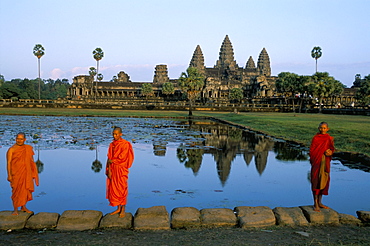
column 56, row 73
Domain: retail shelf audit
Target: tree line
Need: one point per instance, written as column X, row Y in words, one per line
column 33, row 88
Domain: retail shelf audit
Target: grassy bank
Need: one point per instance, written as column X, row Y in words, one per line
column 351, row 132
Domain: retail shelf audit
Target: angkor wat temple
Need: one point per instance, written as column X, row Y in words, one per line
column 256, row 81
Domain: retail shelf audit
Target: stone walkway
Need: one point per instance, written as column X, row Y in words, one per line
column 158, row 218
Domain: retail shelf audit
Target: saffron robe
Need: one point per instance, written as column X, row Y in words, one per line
column 320, row 164
column 24, row 172
column 121, row 154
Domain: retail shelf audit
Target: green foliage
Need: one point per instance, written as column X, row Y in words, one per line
column 92, row 71
column 98, row 54
column 236, row 94
column 9, row 90
column 38, row 51
column 324, row 85
column 316, row 53
column 147, row 89
column 2, row 79
column 363, row 94
column 168, row 88
column 114, row 79
column 28, row 89
column 99, row 77
column 191, row 83
column 288, row 84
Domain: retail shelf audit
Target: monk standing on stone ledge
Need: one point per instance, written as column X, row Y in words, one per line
column 120, row 158
column 321, row 151
column 22, row 172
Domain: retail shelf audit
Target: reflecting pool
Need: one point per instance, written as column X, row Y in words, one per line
column 178, row 163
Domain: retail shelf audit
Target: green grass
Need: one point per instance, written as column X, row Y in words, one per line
column 351, row 132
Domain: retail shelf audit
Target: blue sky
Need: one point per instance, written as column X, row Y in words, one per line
column 137, row 35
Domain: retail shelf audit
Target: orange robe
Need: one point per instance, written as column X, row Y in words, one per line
column 320, row 164
column 121, row 154
column 24, row 172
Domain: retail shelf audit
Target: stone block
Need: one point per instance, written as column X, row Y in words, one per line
column 185, row 217
column 255, row 217
column 218, row 217
column 290, row 216
column 364, row 216
column 153, row 218
column 13, row 222
column 347, row 219
column 326, row 216
column 42, row 220
column 79, row 220
column 110, row 221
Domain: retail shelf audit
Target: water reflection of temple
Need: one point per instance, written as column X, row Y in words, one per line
column 225, row 143
column 228, row 142
column 159, row 148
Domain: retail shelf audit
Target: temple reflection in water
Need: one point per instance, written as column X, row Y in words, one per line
column 225, row 143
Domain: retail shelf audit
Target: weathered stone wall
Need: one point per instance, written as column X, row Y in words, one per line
column 157, row 218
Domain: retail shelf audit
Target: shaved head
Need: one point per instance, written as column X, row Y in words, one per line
column 118, row 129
column 324, row 123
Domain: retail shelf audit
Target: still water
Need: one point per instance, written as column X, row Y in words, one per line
column 177, row 163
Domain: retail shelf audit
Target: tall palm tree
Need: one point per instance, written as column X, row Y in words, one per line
column 39, row 51
column 98, row 54
column 316, row 54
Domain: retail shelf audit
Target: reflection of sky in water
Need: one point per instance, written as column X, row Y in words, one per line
column 68, row 181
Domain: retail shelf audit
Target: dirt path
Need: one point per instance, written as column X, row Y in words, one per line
column 315, row 235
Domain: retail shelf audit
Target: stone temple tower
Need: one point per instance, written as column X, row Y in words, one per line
column 263, row 64
column 250, row 63
column 161, row 74
column 226, row 58
column 197, row 60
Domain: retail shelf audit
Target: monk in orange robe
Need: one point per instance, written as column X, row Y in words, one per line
column 120, row 158
column 321, row 151
column 22, row 173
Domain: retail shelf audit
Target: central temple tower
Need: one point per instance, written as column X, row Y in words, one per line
column 226, row 58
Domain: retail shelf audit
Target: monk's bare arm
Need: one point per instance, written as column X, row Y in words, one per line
column 9, row 156
column 328, row 152
column 108, row 170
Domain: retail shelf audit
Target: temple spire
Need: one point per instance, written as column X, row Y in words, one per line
column 263, row 64
column 250, row 63
column 197, row 60
column 226, row 58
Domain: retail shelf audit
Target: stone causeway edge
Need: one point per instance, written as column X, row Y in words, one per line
column 158, row 218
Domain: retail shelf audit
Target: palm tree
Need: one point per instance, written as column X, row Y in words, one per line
column 168, row 88
column 316, row 54
column 39, row 51
column 191, row 83
column 92, row 73
column 99, row 77
column 324, row 86
column 98, row 54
